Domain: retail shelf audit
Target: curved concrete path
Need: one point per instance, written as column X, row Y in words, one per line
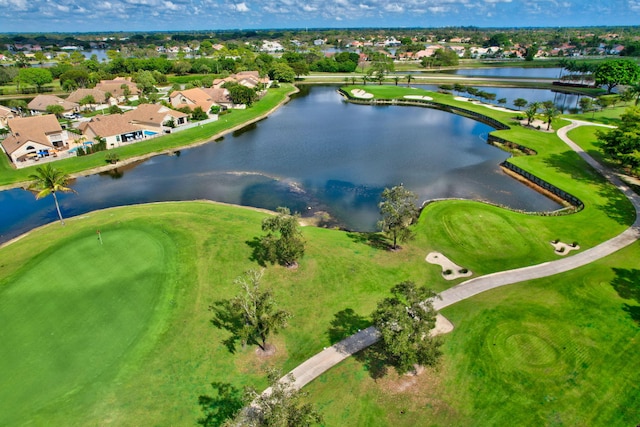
column 329, row 357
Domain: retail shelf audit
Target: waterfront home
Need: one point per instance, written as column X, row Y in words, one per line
column 155, row 118
column 116, row 129
column 34, row 137
column 39, row 104
column 204, row 98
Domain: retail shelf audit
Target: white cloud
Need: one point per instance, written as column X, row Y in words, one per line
column 393, row 7
column 14, row 4
column 170, row 6
column 438, row 9
column 241, row 7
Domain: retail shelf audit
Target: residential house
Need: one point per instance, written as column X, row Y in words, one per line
column 6, row 113
column 204, row 98
column 34, row 137
column 154, row 118
column 250, row 79
column 39, row 104
column 427, row 52
column 116, row 129
column 271, row 46
column 116, row 88
column 79, row 94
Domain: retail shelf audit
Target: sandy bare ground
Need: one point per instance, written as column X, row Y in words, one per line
column 447, row 265
column 563, row 248
column 426, row 98
column 359, row 93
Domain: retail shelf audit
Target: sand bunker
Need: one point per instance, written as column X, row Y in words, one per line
column 426, row 98
column 564, row 248
column 493, row 107
column 450, row 270
column 359, row 93
column 443, row 326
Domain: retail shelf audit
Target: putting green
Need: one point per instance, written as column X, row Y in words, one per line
column 74, row 313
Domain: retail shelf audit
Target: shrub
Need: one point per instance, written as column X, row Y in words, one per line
column 447, row 272
column 463, row 271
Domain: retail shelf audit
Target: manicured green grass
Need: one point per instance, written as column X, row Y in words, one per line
column 8, row 175
column 175, row 259
column 608, row 116
column 75, row 312
column 174, row 352
column 557, row 351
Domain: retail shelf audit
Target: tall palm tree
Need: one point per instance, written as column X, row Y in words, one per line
column 409, row 77
column 49, row 180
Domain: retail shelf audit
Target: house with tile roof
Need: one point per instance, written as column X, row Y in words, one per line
column 34, row 137
column 204, row 98
column 116, row 129
column 145, row 121
column 116, row 88
column 79, row 94
column 6, row 113
column 155, row 117
column 39, row 104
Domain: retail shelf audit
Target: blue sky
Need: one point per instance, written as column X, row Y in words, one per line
column 159, row 15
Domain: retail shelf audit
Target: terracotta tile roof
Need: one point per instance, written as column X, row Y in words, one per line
column 79, row 94
column 105, row 126
column 152, row 113
column 35, row 128
column 41, row 102
column 219, row 96
column 196, row 97
column 115, row 86
column 6, row 112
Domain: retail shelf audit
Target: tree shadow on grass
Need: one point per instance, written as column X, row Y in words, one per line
column 375, row 240
column 347, row 323
column 225, row 317
column 617, row 207
column 258, row 254
column 375, row 360
column 569, row 162
column 224, row 405
column 627, row 285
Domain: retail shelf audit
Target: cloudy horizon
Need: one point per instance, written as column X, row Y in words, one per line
column 75, row 16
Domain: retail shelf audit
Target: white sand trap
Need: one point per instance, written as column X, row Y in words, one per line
column 426, row 98
column 359, row 93
column 461, row 98
column 446, row 264
column 564, row 248
column 443, row 326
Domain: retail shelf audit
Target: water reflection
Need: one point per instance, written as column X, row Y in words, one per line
column 316, row 154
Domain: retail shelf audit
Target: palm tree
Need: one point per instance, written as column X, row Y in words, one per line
column 409, row 78
column 49, row 180
column 550, row 112
column 634, row 90
column 531, row 112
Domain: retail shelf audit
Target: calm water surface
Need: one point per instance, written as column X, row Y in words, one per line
column 317, row 153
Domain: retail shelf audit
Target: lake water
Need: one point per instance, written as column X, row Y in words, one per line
column 516, row 72
column 316, row 153
column 564, row 101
